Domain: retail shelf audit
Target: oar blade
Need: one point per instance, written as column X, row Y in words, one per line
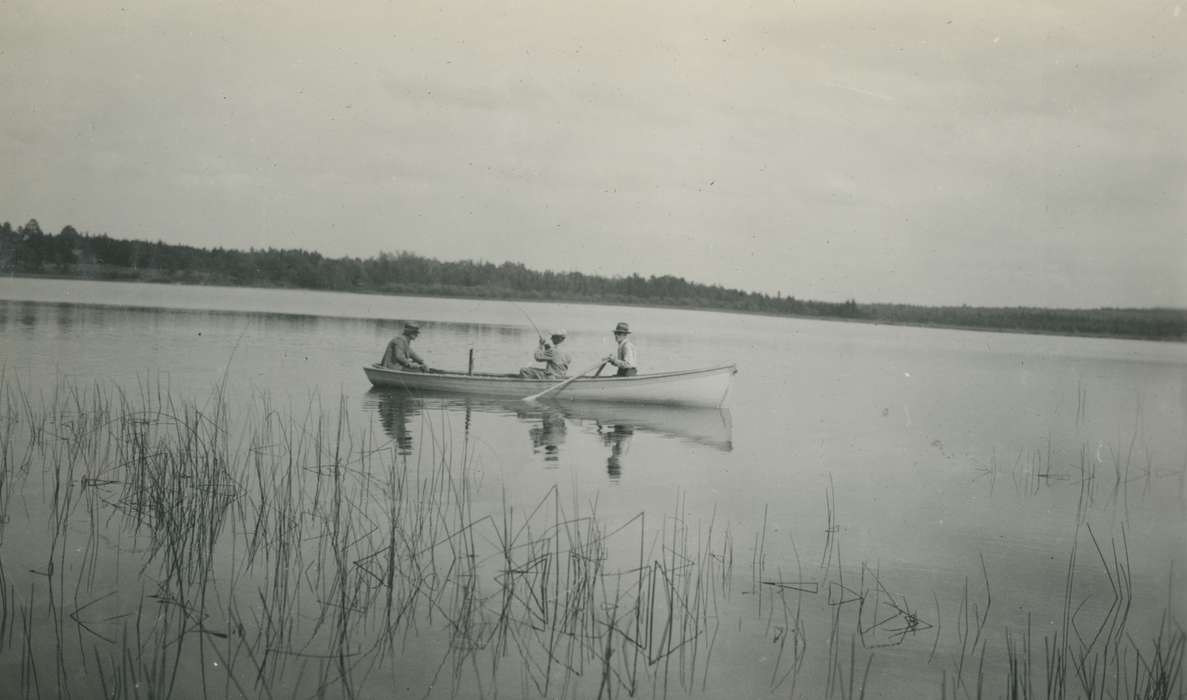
column 557, row 387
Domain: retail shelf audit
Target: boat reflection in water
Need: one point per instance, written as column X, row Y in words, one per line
column 550, row 424
column 549, row 435
column 395, row 409
column 618, row 438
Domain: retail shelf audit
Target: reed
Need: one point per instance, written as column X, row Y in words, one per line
column 242, row 541
column 190, row 552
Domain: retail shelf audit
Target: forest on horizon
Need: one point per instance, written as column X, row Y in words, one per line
column 27, row 250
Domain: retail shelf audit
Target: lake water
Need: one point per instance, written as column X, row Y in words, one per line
column 883, row 510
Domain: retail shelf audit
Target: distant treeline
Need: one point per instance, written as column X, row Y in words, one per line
column 27, row 250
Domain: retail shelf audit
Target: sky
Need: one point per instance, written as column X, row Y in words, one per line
column 1014, row 152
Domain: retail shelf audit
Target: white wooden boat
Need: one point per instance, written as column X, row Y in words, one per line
column 695, row 387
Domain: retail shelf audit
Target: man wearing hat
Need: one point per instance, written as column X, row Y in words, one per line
column 399, row 353
column 624, row 356
column 556, row 362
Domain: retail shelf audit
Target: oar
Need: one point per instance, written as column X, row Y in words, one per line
column 567, row 382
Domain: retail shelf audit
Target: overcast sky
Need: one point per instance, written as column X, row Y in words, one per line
column 992, row 153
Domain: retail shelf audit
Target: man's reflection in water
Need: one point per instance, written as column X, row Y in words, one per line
column 395, row 408
column 549, row 435
column 618, row 437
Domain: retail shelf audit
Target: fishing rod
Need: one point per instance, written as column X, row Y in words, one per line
column 529, row 318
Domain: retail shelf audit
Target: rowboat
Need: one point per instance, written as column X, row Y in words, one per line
column 694, row 387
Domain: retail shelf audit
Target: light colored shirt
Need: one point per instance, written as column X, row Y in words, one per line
column 624, row 355
column 556, row 362
column 399, row 353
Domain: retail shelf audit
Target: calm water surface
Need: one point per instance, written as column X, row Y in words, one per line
column 897, row 467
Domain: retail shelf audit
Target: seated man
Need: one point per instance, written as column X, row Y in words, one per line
column 399, row 353
column 556, row 362
column 623, row 357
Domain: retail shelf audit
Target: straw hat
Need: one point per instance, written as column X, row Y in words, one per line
column 557, row 333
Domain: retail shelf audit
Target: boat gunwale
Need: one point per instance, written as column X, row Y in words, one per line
column 391, row 372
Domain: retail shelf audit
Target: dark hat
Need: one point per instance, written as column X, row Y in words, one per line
column 622, row 328
column 412, row 326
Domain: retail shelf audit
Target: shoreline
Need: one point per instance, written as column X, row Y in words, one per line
column 597, row 302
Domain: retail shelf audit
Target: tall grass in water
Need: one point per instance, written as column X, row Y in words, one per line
column 1086, row 655
column 187, row 553
column 181, row 551
column 1101, row 658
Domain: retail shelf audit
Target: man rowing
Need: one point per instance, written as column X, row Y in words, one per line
column 624, row 355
